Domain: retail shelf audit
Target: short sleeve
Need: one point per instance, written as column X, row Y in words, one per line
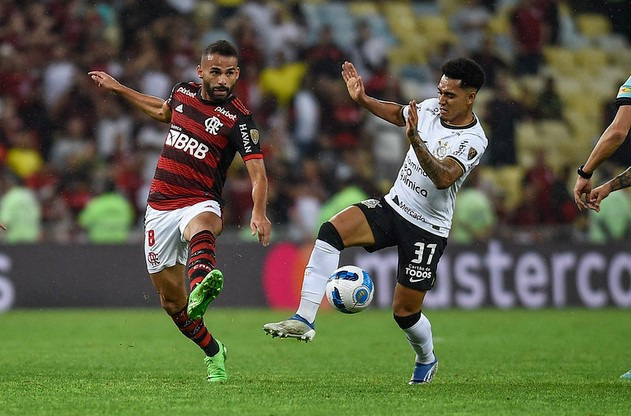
column 405, row 112
column 170, row 99
column 245, row 136
column 624, row 94
column 468, row 151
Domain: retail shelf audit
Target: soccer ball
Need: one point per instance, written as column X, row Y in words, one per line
column 349, row 289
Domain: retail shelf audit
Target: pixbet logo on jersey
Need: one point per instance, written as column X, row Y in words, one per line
column 226, row 113
column 186, row 92
column 187, row 144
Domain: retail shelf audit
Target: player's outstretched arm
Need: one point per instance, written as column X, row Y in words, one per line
column 613, row 136
column 387, row 110
column 442, row 172
column 154, row 107
column 598, row 194
column 259, row 224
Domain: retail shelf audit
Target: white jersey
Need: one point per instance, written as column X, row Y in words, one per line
column 413, row 195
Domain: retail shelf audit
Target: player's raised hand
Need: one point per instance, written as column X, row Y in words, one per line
column 411, row 124
column 104, row 80
column 354, row 83
column 261, row 225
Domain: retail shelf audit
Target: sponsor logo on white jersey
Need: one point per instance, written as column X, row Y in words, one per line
column 407, row 176
column 462, row 148
column 187, row 144
column 435, row 111
column 186, row 92
column 226, row 113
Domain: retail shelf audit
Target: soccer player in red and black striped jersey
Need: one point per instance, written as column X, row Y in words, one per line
column 208, row 126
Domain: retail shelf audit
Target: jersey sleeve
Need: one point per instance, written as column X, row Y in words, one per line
column 245, row 136
column 405, row 112
column 624, row 94
column 468, row 151
column 170, row 99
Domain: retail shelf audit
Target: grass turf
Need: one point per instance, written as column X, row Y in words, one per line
column 135, row 362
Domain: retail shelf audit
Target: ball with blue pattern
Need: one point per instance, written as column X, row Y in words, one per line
column 349, row 289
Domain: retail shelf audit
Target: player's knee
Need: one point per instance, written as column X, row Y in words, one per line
column 329, row 234
column 172, row 301
column 408, row 321
column 171, row 306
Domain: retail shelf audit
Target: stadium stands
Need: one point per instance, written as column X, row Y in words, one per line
column 587, row 62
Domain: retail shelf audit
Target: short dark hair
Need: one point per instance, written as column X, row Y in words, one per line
column 468, row 71
column 221, row 47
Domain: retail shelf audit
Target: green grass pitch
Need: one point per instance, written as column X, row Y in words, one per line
column 492, row 362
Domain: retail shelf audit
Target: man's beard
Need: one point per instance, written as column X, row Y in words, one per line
column 225, row 93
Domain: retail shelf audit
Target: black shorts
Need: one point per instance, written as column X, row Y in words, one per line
column 419, row 250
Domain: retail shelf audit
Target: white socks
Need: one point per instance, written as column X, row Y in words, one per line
column 323, row 261
column 420, row 338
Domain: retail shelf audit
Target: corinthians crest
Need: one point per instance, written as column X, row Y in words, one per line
column 441, row 150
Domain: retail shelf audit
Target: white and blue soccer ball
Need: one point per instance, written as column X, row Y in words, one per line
column 349, row 289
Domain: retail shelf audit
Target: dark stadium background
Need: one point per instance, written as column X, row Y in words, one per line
column 64, row 140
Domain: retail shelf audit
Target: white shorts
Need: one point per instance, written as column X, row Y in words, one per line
column 164, row 234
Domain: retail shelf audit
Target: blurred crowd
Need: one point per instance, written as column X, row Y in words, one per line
column 77, row 161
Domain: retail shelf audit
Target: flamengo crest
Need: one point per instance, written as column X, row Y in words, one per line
column 213, row 124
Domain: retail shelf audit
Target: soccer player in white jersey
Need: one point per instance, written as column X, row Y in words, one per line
column 446, row 142
column 613, row 136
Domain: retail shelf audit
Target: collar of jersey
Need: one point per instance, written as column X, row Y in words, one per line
column 466, row 126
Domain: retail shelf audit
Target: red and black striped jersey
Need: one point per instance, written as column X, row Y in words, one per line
column 202, row 141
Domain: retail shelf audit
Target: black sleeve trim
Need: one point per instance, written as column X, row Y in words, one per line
column 459, row 162
column 623, row 101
